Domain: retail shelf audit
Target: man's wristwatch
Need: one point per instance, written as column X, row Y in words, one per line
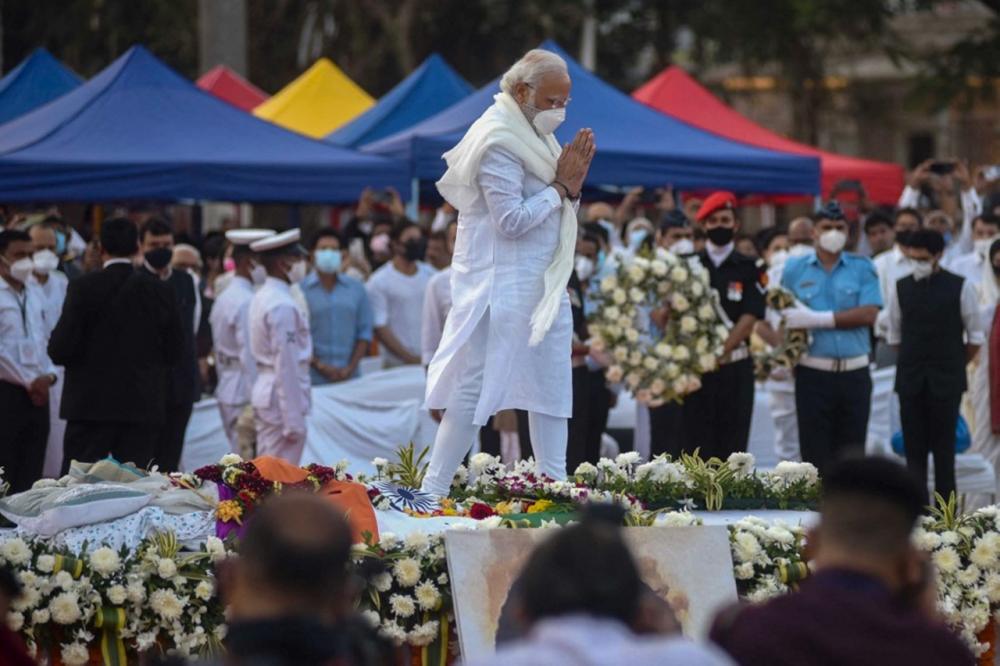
column 53, row 378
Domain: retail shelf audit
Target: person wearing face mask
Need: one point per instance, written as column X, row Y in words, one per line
column 985, row 229
column 934, row 321
column 118, row 337
column 340, row 315
column 52, row 284
column 157, row 240
column 675, row 233
column 891, row 267
column 508, row 338
column 230, row 322
column 636, row 232
column 281, row 344
column 839, row 299
column 26, row 373
column 716, row 418
column 396, row 291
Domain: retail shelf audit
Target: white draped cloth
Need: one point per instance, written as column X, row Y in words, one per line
column 510, row 228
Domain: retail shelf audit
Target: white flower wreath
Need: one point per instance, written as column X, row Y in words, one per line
column 667, row 368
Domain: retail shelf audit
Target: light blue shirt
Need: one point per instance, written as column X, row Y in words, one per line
column 337, row 320
column 852, row 283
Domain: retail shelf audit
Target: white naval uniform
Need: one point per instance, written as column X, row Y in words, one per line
column 54, row 292
column 506, row 240
column 234, row 363
column 282, row 347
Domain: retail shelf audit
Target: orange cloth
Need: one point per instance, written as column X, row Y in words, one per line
column 348, row 496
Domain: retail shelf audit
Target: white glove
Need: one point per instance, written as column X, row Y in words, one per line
column 803, row 317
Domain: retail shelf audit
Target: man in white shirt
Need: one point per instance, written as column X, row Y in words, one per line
column 26, row 373
column 972, row 204
column 230, row 321
column 985, row 229
column 891, row 267
column 52, row 284
column 396, row 291
column 281, row 344
column 507, row 340
column 437, row 303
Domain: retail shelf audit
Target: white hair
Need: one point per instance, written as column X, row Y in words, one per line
column 532, row 66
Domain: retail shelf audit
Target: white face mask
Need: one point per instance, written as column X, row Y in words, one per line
column 21, row 269
column 778, row 258
column 584, row 268
column 922, row 269
column 258, row 274
column 45, row 261
column 683, row 246
column 548, row 121
column 799, row 250
column 297, row 272
column 833, row 241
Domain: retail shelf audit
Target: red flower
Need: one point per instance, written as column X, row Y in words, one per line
column 373, row 493
column 479, row 511
column 209, row 473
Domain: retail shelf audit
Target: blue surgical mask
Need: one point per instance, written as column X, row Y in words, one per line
column 635, row 238
column 328, row 261
column 947, row 238
column 60, row 243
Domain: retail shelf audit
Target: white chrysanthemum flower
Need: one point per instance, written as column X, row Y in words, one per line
column 117, row 594
column 688, row 324
column 628, row 458
column 586, row 470
column 950, row 537
column 74, row 654
column 230, row 459
column 946, row 560
column 65, row 608
column 637, row 295
column 679, row 303
column 925, row 540
column 382, row 582
column 706, row 312
column 697, row 289
column 677, row 519
column 166, row 604
column 423, row 634
column 679, row 274
column 145, row 641
column 744, row 571
column 969, row 576
column 707, row 362
column 982, row 554
column 417, row 541
column 105, row 561
column 650, row 363
column 490, row 523
column 480, row 462
column 681, row 353
column 779, row 534
column 41, row 616
column 216, row 548
column 166, row 567
column 136, row 592
column 393, row 632
column 15, row 551
column 427, row 596
column 746, row 547
column 15, row 620
column 45, row 563
column 402, row 605
column 658, row 267
column 407, row 571
column 204, row 590
column 742, row 463
column 635, row 272
column 619, row 297
column 632, row 335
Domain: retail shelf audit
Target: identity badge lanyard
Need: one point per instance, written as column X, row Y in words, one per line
column 22, row 304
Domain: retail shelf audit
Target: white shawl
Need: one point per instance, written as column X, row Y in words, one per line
column 504, row 125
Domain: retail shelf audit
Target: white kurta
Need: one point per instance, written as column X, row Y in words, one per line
column 506, row 240
column 281, row 345
column 437, row 303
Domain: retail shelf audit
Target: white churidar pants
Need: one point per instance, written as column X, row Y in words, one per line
column 456, row 433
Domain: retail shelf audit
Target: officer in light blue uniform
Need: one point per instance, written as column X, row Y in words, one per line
column 839, row 299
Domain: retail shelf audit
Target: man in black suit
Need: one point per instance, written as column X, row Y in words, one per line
column 934, row 324
column 183, row 386
column 118, row 334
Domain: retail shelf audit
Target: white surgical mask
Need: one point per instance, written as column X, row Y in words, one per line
column 799, row 250
column 258, row 274
column 584, row 267
column 548, row 121
column 683, row 246
column 778, row 258
column 922, row 269
column 635, row 238
column 297, row 272
column 45, row 261
column 833, row 241
column 21, row 269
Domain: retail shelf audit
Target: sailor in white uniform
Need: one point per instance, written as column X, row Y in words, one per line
column 230, row 321
column 282, row 347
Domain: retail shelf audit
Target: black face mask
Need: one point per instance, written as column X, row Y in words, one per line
column 414, row 250
column 159, row 258
column 720, row 235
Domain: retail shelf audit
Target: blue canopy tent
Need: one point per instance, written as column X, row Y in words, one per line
column 635, row 144
column 39, row 79
column 138, row 130
column 430, row 88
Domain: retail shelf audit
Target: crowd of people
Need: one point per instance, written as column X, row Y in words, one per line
column 256, row 319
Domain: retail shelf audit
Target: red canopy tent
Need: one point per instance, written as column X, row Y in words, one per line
column 676, row 94
column 230, row 87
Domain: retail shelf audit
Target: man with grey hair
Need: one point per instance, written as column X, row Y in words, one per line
column 507, row 339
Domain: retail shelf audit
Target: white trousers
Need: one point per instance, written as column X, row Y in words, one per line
column 786, row 426
column 271, row 440
column 457, row 432
column 230, row 415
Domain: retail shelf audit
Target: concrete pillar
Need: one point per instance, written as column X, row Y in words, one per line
column 222, row 35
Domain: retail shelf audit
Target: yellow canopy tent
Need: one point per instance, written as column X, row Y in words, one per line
column 319, row 101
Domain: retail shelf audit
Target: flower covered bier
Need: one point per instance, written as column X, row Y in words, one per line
column 659, row 317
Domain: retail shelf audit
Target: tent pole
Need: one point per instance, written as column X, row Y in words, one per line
column 413, row 209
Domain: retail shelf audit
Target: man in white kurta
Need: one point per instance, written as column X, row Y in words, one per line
column 515, row 226
column 230, row 321
column 281, row 345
